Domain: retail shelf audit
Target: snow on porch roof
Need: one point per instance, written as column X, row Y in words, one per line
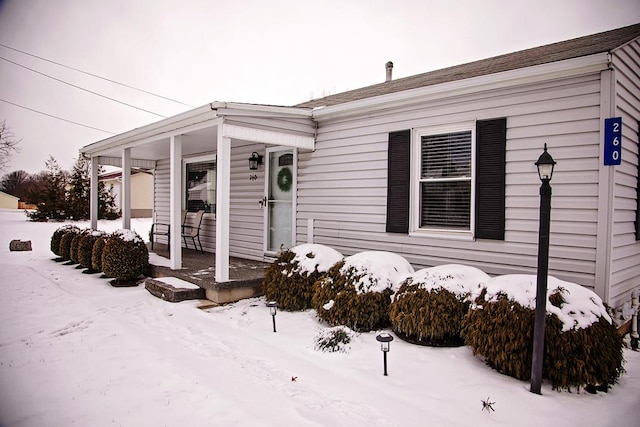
column 575, row 48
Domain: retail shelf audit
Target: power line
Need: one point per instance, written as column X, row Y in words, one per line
column 56, row 117
column 95, row 75
column 81, row 88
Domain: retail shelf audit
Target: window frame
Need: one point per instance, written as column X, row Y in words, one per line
column 416, row 179
column 196, row 159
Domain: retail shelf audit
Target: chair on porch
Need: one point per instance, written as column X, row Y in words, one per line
column 164, row 229
column 193, row 231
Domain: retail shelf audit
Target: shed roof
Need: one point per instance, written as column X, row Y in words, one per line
column 582, row 46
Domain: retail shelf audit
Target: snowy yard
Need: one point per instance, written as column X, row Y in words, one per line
column 76, row 351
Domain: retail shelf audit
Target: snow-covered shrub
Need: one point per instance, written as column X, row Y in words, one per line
column 356, row 292
column 57, row 236
column 96, row 252
column 582, row 346
column 429, row 306
column 125, row 256
column 332, row 340
column 65, row 242
column 289, row 279
column 85, row 248
column 75, row 242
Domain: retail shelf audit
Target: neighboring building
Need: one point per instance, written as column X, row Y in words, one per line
column 141, row 191
column 7, row 201
column 437, row 167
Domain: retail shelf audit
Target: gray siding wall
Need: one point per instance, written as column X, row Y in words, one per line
column 246, row 226
column 342, row 185
column 625, row 264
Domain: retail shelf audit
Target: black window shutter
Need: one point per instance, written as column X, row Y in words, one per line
column 638, row 190
column 491, row 140
column 398, row 174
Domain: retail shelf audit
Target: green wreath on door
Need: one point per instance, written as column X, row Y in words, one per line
column 285, row 179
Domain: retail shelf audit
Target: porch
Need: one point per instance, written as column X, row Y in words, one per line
column 245, row 277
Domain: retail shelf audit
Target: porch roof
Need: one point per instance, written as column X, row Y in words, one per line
column 198, row 128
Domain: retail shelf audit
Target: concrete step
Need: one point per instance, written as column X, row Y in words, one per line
column 173, row 292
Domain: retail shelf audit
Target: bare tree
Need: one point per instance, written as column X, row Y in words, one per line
column 8, row 144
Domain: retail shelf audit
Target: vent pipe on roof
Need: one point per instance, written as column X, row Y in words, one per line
column 389, row 67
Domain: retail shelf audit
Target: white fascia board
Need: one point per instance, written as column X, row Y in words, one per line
column 537, row 73
column 117, row 161
column 157, row 130
column 268, row 137
column 258, row 110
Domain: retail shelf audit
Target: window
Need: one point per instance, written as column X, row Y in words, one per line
column 449, row 179
column 445, row 181
column 201, row 186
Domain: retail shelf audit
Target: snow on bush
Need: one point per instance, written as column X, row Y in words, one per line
column 96, row 252
column 65, row 242
column 336, row 339
column 431, row 303
column 85, row 248
column 289, row 279
column 360, row 287
column 57, row 236
column 125, row 256
column 582, row 346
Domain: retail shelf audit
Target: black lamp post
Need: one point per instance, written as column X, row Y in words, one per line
column 545, row 166
column 273, row 310
column 384, row 339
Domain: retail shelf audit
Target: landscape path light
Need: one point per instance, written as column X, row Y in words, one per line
column 385, row 340
column 545, row 165
column 273, row 310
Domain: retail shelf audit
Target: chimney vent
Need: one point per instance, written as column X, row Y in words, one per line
column 389, row 67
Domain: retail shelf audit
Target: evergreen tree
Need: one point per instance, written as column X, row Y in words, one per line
column 78, row 194
column 106, row 201
column 51, row 200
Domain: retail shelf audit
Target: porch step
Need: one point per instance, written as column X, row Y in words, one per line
column 173, row 293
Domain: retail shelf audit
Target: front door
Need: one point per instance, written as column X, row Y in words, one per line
column 280, row 188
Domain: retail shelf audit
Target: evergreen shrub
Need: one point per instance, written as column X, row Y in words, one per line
column 289, row 279
column 429, row 306
column 582, row 346
column 57, row 236
column 96, row 252
column 356, row 292
column 334, row 340
column 65, row 243
column 85, row 248
column 125, row 256
column 75, row 242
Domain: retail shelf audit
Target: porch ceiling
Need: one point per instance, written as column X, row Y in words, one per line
column 194, row 142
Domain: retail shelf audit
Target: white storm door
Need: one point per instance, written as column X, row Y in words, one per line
column 279, row 197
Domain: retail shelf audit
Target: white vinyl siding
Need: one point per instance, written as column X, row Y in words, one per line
column 625, row 251
column 342, row 184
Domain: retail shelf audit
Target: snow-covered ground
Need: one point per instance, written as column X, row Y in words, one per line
column 75, row 351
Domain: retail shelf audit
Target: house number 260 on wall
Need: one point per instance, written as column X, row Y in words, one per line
column 613, row 141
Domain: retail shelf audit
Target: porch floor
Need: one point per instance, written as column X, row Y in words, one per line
column 245, row 276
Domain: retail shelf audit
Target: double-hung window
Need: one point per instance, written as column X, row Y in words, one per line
column 201, row 186
column 443, row 184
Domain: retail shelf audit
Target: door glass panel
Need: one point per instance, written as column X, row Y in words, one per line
column 280, row 198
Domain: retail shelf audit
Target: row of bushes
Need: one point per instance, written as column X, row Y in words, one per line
column 121, row 255
column 454, row 305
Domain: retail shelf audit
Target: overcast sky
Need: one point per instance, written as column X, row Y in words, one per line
column 279, row 52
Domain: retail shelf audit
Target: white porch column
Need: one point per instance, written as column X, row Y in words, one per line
column 223, row 191
column 93, row 193
column 175, row 202
column 125, row 191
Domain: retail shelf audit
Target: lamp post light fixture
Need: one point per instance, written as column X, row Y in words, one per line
column 545, row 166
column 384, row 339
column 273, row 310
column 254, row 161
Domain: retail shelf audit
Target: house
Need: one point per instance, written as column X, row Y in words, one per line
column 7, row 201
column 141, row 191
column 437, row 167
